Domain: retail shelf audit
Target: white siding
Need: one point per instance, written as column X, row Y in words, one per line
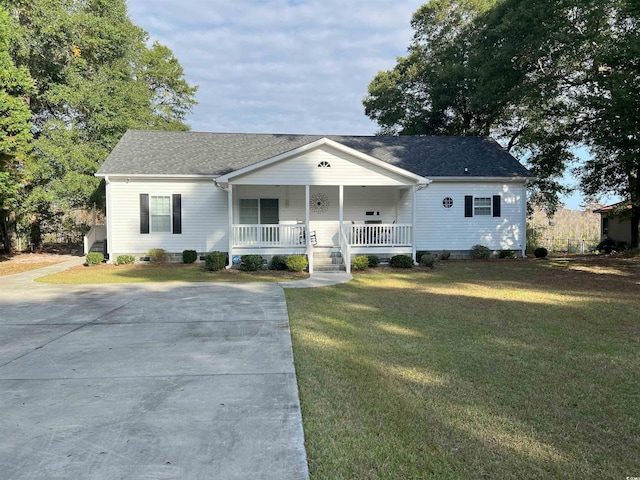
column 204, row 217
column 440, row 228
column 303, row 170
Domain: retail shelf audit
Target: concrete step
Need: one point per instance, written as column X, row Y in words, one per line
column 97, row 247
column 329, row 268
column 327, row 257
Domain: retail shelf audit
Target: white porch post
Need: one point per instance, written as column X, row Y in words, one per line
column 523, row 247
column 308, row 227
column 341, row 201
column 413, row 223
column 230, row 213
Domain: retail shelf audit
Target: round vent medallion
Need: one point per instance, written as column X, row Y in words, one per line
column 319, row 203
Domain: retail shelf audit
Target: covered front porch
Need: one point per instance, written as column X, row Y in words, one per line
column 303, row 220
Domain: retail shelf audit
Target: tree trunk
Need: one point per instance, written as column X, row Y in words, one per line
column 635, row 221
column 5, row 233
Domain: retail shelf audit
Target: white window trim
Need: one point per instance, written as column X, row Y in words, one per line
column 483, row 208
column 169, row 215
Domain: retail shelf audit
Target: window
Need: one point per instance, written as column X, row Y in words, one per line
column 255, row 211
column 482, row 206
column 324, row 164
column 160, row 211
column 447, row 202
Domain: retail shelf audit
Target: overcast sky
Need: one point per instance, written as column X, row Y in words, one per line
column 278, row 66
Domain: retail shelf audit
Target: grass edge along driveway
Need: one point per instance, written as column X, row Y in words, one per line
column 514, row 369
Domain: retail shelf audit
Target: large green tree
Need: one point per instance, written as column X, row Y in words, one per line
column 543, row 77
column 15, row 129
column 96, row 77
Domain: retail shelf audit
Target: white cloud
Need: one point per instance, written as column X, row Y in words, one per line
column 280, row 66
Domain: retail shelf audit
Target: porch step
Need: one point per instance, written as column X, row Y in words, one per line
column 328, row 260
column 97, row 247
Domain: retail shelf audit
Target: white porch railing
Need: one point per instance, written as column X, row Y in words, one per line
column 379, row 235
column 97, row 234
column 269, row 236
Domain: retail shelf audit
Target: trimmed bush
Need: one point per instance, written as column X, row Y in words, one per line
column 428, row 260
column 540, row 252
column 445, row 255
column 374, row 260
column 401, row 261
column 94, row 258
column 125, row 260
column 215, row 261
column 189, row 256
column 251, row 263
column 480, row 252
column 158, row 255
column 506, row 254
column 278, row 262
column 361, row 263
column 297, row 263
column 419, row 254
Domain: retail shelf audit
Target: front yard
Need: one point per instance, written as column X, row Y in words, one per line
column 500, row 369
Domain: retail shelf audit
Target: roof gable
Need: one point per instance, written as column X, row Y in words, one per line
column 160, row 153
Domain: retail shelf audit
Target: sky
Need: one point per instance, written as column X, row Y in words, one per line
column 282, row 66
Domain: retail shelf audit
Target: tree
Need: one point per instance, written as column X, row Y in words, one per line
column 543, row 77
column 15, row 129
column 97, row 77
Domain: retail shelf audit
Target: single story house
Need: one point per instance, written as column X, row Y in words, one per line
column 321, row 196
column 615, row 223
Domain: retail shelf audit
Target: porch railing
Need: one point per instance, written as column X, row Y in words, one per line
column 345, row 248
column 97, row 234
column 380, row 235
column 269, row 235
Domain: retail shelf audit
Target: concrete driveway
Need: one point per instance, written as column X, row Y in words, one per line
column 152, row 381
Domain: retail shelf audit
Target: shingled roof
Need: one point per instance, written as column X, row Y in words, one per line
column 214, row 154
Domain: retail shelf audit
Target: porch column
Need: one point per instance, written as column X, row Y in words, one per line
column 308, row 235
column 341, row 201
column 413, row 223
column 230, row 213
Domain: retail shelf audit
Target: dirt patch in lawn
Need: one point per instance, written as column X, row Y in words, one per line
column 19, row 262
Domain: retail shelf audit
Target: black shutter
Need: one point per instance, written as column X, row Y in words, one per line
column 144, row 213
column 468, row 206
column 177, row 213
column 496, row 205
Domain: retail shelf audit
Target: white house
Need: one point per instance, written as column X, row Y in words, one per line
column 310, row 194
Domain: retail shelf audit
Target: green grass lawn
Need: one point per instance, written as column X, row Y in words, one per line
column 499, row 369
column 169, row 272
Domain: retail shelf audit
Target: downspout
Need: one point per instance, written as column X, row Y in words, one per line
column 107, row 190
column 414, row 213
column 229, row 189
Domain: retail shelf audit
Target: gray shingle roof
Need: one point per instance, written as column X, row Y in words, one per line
column 193, row 153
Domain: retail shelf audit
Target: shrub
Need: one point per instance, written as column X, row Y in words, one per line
column 215, row 261
column 360, row 263
column 506, row 254
column 189, row 256
column 297, row 263
column 428, row 260
column 401, row 261
column 480, row 252
column 278, row 262
column 420, row 253
column 94, row 258
column 606, row 246
column 445, row 255
column 251, row 263
column 374, row 260
column 540, row 252
column 125, row 260
column 158, row 255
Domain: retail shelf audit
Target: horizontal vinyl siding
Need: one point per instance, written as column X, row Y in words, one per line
column 439, row 228
column 303, row 170
column 204, row 217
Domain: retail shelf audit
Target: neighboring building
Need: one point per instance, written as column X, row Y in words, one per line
column 615, row 223
column 311, row 194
